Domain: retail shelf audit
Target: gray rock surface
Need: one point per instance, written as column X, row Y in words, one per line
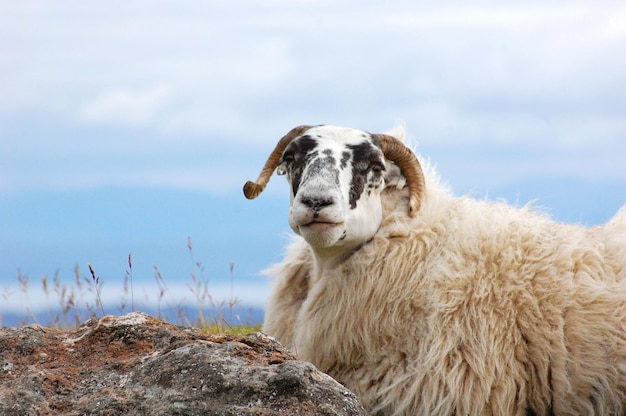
column 138, row 365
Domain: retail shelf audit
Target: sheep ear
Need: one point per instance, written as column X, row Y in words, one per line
column 403, row 157
column 394, row 176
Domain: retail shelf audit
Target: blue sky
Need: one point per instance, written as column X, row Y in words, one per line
column 129, row 126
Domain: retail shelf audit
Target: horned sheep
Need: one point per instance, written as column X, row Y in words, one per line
column 424, row 303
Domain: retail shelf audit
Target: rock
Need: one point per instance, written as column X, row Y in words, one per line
column 138, row 365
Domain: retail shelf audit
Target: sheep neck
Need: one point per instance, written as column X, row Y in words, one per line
column 329, row 258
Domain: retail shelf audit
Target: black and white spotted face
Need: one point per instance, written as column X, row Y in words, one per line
column 336, row 176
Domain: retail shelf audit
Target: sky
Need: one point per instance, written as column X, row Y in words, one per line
column 127, row 127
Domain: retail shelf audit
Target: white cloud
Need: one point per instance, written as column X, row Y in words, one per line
column 615, row 27
column 123, row 106
column 16, row 300
column 242, row 74
column 488, row 16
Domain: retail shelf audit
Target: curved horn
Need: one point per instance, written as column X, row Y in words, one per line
column 253, row 189
column 397, row 152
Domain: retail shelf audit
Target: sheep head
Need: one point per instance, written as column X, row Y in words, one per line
column 337, row 176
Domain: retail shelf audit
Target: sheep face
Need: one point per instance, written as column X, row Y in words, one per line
column 336, row 176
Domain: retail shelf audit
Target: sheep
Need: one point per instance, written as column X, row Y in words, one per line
column 424, row 303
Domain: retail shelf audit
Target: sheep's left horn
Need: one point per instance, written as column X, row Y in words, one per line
column 253, row 189
column 397, row 152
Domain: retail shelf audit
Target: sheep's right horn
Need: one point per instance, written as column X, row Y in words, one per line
column 397, row 152
column 253, row 189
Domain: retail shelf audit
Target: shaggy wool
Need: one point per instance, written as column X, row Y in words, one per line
column 472, row 307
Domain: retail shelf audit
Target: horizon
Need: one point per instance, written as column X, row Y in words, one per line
column 229, row 267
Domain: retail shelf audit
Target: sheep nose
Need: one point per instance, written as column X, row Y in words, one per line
column 316, row 203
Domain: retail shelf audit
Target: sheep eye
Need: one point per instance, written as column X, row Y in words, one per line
column 377, row 167
column 287, row 159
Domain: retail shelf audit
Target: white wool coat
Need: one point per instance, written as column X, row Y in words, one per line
column 469, row 308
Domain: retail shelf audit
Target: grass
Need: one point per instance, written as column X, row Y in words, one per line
column 214, row 317
column 242, row 329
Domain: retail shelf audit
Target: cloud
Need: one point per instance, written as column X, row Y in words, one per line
column 616, row 24
column 16, row 300
column 160, row 79
column 123, row 106
column 488, row 16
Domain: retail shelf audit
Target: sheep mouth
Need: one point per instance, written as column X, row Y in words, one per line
column 321, row 226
